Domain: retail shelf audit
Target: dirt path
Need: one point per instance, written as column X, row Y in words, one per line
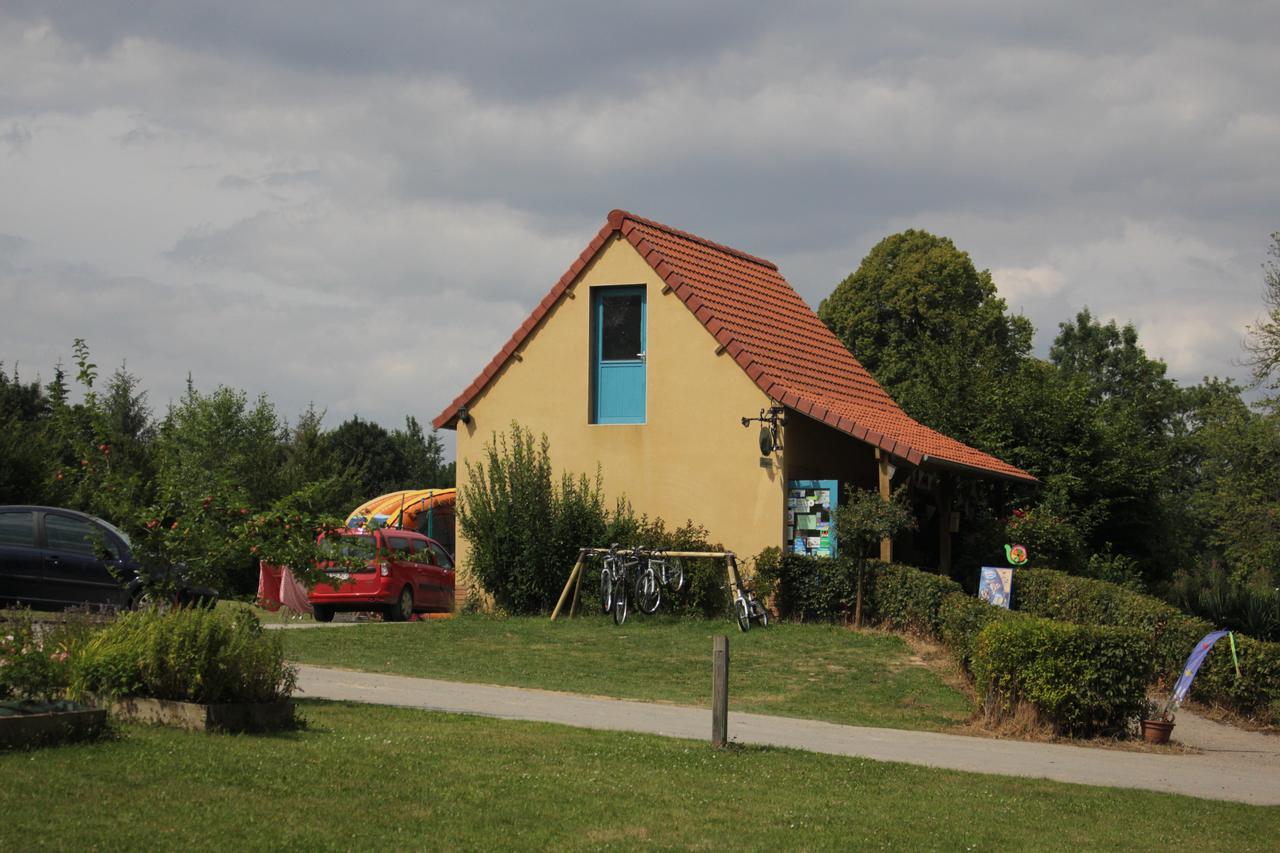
column 1235, row 765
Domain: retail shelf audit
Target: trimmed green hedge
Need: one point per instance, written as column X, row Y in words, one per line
column 906, row 598
column 962, row 618
column 1085, row 680
column 823, row 589
column 1056, row 595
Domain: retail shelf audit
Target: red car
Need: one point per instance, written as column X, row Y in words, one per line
column 404, row 573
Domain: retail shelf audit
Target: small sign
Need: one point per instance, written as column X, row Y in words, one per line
column 996, row 586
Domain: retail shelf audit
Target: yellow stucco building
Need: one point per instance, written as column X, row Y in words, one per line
column 643, row 360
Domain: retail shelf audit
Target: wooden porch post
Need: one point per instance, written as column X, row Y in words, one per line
column 886, row 544
column 946, row 496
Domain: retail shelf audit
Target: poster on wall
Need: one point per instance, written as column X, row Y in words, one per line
column 810, row 517
column 996, row 586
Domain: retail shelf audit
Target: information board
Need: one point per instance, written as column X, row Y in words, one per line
column 810, row 517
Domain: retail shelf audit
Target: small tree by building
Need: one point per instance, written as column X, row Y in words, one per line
column 862, row 523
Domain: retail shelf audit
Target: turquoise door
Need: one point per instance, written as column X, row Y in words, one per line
column 618, row 354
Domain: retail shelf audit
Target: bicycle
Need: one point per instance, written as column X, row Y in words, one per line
column 746, row 607
column 670, row 571
column 609, row 573
column 647, row 590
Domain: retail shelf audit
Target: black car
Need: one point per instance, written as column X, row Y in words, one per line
column 51, row 558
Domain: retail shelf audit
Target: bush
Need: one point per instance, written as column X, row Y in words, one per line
column 35, row 666
column 705, row 592
column 189, row 655
column 961, row 618
column 1085, row 680
column 907, row 598
column 524, row 527
column 806, row 588
column 1043, row 592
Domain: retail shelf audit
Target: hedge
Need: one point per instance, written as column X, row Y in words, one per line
column 1085, row 680
column 823, row 589
column 1056, row 595
column 962, row 618
column 906, row 598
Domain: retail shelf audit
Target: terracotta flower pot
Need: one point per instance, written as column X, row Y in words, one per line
column 1156, row 731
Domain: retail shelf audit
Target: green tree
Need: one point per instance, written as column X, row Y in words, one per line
column 1263, row 342
column 862, row 523
column 931, row 329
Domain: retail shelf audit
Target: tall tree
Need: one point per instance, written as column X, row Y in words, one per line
column 930, row 328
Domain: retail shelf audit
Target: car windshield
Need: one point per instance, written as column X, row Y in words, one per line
column 350, row 547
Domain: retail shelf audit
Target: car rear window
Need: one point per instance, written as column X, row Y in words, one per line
column 75, row 535
column 18, row 528
column 358, row 548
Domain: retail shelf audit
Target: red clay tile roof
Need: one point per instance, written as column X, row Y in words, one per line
column 774, row 336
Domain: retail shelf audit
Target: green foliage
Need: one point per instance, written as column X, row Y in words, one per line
column 1172, row 633
column 908, row 599
column 524, row 525
column 1085, row 680
column 961, row 619
column 35, row 665
column 807, row 588
column 705, row 591
column 931, row 329
column 1208, row 591
column 1049, row 538
column 187, row 654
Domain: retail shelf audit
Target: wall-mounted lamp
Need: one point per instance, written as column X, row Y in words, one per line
column 464, row 415
column 770, row 422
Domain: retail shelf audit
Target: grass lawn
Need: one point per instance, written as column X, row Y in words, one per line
column 815, row 671
column 375, row 777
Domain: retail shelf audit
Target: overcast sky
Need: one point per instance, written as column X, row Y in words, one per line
column 356, row 203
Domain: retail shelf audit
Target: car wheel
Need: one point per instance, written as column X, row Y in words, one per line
column 148, row 600
column 402, row 610
column 322, row 613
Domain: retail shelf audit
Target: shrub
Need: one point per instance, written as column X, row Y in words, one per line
column 1085, row 680
column 35, row 665
column 524, row 528
column 706, row 592
column 907, row 598
column 192, row 655
column 1256, row 691
column 961, row 618
column 806, row 588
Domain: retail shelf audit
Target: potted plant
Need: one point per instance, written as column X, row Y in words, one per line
column 1157, row 723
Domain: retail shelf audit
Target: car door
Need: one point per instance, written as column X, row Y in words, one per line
column 400, row 557
column 428, row 573
column 80, row 560
column 447, row 578
column 21, row 561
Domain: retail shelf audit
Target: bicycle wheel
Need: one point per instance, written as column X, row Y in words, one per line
column 648, row 593
column 606, row 588
column 744, row 615
column 759, row 613
column 673, row 574
column 620, row 605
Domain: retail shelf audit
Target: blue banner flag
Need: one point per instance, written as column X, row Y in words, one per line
column 1193, row 665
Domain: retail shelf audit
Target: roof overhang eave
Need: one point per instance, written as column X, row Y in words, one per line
column 974, row 471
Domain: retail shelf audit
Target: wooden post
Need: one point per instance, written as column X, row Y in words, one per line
column 573, row 576
column 946, row 496
column 886, row 544
column 573, row 605
column 720, row 691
